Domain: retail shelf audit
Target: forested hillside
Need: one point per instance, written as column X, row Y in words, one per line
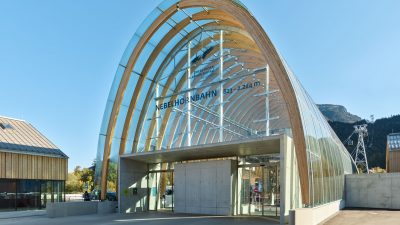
column 376, row 140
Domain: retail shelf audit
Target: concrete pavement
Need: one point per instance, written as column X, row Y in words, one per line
column 148, row 218
column 19, row 214
column 365, row 217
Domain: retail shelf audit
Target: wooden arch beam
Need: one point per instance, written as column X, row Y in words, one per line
column 267, row 50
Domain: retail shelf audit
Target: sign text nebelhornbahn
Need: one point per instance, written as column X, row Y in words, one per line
column 176, row 101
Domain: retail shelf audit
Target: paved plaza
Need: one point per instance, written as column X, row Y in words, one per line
column 345, row 217
column 139, row 218
column 365, row 217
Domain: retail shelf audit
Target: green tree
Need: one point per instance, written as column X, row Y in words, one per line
column 87, row 177
column 72, row 185
column 112, row 177
column 78, row 179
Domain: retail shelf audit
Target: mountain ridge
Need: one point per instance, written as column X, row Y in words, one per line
column 342, row 122
column 337, row 113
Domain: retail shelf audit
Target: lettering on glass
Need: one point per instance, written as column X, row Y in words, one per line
column 205, row 95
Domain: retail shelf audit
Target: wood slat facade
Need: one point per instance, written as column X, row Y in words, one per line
column 24, row 166
column 393, row 163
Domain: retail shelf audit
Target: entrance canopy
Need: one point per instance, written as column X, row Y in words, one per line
column 264, row 145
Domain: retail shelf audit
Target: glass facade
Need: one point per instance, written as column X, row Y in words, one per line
column 29, row 194
column 194, row 75
column 328, row 160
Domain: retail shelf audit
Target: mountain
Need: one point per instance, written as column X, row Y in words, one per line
column 375, row 142
column 342, row 123
column 337, row 113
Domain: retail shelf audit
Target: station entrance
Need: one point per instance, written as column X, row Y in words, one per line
column 257, row 187
column 230, row 179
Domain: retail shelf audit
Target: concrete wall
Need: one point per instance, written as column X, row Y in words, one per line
column 373, row 190
column 132, row 175
column 316, row 215
column 290, row 194
column 62, row 209
column 107, row 207
column 205, row 187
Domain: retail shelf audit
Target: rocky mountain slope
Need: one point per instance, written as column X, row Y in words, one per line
column 337, row 113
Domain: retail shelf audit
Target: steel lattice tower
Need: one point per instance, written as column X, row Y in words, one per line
column 360, row 157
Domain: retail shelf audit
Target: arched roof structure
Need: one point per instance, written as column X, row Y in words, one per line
column 206, row 49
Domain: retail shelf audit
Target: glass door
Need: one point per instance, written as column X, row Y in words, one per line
column 244, row 188
column 258, row 190
column 251, row 190
column 166, row 194
column 271, row 204
column 161, row 190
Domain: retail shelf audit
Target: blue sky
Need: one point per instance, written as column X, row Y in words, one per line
column 58, row 58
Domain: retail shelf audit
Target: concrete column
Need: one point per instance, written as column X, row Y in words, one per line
column 132, row 188
column 286, row 166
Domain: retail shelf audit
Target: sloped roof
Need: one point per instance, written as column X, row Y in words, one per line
column 19, row 136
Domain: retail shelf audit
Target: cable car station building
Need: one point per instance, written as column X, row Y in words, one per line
column 204, row 116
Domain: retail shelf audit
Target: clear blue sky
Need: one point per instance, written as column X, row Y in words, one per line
column 58, row 58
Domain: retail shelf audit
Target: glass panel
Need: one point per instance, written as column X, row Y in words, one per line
column 271, row 194
column 161, row 32
column 166, row 4
column 166, row 193
column 142, row 59
column 120, row 122
column 129, row 49
column 28, row 194
column 130, row 89
column 46, row 193
column 112, row 177
column 142, row 96
column 244, row 191
column 7, row 195
column 156, row 64
column 132, row 129
column 99, row 160
column 148, row 21
column 58, row 191
column 106, row 117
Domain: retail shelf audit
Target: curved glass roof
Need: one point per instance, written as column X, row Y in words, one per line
column 194, row 73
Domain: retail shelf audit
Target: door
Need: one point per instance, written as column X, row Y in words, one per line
column 161, row 190
column 271, row 195
column 259, row 190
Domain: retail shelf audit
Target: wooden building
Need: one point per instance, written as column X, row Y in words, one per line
column 393, row 153
column 33, row 170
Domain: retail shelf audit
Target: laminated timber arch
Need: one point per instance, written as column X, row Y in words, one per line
column 247, row 43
